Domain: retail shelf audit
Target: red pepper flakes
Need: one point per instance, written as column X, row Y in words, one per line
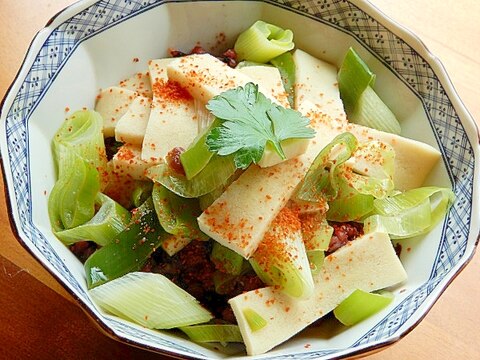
column 170, row 91
column 136, row 60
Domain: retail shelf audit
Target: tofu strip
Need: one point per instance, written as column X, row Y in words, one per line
column 368, row 263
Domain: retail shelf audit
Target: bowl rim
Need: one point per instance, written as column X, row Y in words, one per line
column 391, row 25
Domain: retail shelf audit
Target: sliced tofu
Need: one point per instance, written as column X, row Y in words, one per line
column 112, row 103
column 316, row 80
column 132, row 125
column 128, row 160
column 270, row 80
column 173, row 120
column 204, row 76
column 139, row 83
column 413, row 159
column 368, row 263
column 239, row 218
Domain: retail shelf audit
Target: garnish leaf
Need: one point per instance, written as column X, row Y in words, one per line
column 249, row 121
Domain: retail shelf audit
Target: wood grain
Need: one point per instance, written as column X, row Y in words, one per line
column 38, row 322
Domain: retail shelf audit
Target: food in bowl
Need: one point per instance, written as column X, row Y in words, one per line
column 246, row 213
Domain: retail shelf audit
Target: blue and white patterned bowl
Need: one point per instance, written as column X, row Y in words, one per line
column 91, row 45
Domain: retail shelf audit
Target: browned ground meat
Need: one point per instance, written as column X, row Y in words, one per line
column 192, row 270
column 343, row 233
column 83, row 249
column 173, row 160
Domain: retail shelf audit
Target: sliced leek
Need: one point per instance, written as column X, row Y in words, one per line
column 197, row 156
column 262, row 42
column 254, row 320
column 414, row 212
column 177, row 215
column 286, row 66
column 215, row 174
column 362, row 104
column 150, row 300
column 222, row 333
column 108, row 222
column 361, row 305
column 227, row 260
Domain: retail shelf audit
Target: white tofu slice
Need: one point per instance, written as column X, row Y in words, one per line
column 112, row 103
column 140, row 83
column 204, row 76
column 173, row 120
column 132, row 125
column 316, row 80
column 239, row 218
column 270, row 80
column 413, row 159
column 368, row 263
column 128, row 160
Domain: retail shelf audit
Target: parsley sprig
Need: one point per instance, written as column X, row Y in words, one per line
column 250, row 121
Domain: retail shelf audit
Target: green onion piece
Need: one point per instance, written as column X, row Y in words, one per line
column 72, row 200
column 150, row 300
column 414, row 212
column 244, row 63
column 208, row 199
column 222, row 333
column 81, row 133
column 286, row 66
column 354, row 77
column 177, row 215
column 215, row 174
column 197, row 156
column 141, row 192
column 315, row 258
column 362, row 104
column 229, row 261
column 361, row 305
column 254, row 320
column 372, row 112
column 108, row 222
column 262, row 42
column 129, row 250
column 321, row 179
column 316, row 231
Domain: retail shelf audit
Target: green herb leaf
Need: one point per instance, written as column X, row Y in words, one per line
column 249, row 122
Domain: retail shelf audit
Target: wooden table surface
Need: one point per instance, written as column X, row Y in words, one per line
column 39, row 320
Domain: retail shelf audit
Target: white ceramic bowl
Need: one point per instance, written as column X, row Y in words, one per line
column 91, row 45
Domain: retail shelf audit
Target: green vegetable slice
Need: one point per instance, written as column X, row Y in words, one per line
column 321, row 179
column 72, row 200
column 254, row 320
column 414, row 212
column 360, row 305
column 150, row 300
column 81, row 133
column 108, row 222
column 262, row 42
column 229, row 260
column 197, row 156
column 129, row 250
column 215, row 174
column 250, row 121
column 286, row 66
column 362, row 104
column 222, row 333
column 141, row 192
column 177, row 215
